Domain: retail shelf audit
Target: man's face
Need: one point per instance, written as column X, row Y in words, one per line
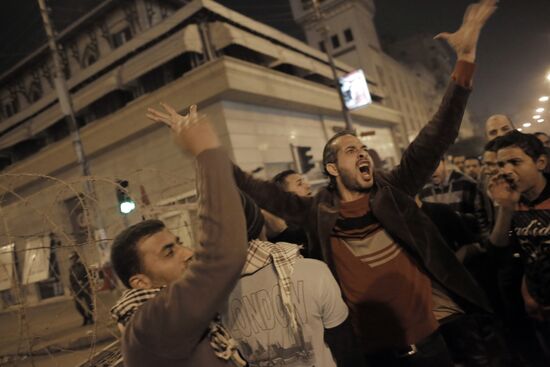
column 298, row 185
column 438, row 177
column 490, row 165
column 458, row 161
column 163, row 258
column 472, row 168
column 545, row 140
column 354, row 164
column 520, row 168
column 497, row 126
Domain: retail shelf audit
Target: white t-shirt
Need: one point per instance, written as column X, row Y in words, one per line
column 255, row 317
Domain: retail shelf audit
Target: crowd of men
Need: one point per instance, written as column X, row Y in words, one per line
column 433, row 263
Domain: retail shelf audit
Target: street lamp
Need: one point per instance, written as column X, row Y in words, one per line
column 539, row 110
column 543, row 99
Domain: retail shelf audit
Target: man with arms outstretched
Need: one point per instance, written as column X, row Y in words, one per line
column 396, row 274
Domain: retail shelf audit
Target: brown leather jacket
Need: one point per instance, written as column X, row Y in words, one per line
column 392, row 203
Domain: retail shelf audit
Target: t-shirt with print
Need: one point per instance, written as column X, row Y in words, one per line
column 255, row 317
column 531, row 230
column 390, row 299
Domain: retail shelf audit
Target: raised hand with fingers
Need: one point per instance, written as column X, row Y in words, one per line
column 464, row 40
column 192, row 132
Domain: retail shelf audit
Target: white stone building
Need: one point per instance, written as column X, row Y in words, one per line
column 409, row 87
column 263, row 89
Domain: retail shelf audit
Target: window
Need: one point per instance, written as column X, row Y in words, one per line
column 348, row 35
column 35, row 92
column 308, row 4
column 381, row 75
column 335, row 41
column 322, row 46
column 90, row 55
column 9, row 108
column 122, row 37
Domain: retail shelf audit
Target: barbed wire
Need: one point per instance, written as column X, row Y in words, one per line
column 40, row 318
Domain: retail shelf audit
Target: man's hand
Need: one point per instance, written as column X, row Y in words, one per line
column 501, row 190
column 464, row 40
column 191, row 132
column 274, row 225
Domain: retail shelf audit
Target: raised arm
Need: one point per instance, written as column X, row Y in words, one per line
column 423, row 154
column 269, row 196
column 171, row 324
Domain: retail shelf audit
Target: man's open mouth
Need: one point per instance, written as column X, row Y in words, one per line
column 364, row 168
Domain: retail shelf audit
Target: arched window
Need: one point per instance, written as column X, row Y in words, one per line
column 35, row 92
column 89, row 56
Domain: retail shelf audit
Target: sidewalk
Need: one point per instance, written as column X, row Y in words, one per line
column 55, row 326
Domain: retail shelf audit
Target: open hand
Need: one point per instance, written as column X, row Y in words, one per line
column 191, row 132
column 464, row 40
column 502, row 191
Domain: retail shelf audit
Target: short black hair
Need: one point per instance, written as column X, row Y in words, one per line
column 472, row 157
column 529, row 143
column 490, row 146
column 124, row 253
column 330, row 152
column 280, row 178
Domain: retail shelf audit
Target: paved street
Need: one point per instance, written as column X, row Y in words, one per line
column 55, row 334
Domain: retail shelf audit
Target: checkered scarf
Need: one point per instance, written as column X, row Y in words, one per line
column 224, row 346
column 283, row 256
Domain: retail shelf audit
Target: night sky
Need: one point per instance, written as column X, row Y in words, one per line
column 513, row 54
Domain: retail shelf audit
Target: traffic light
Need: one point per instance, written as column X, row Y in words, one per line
column 305, row 159
column 125, row 203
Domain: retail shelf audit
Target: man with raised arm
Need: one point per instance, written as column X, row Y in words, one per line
column 396, row 274
column 170, row 312
column 523, row 193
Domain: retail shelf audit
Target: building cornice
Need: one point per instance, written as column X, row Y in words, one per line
column 223, row 79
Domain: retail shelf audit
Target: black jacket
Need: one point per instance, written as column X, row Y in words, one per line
column 392, row 203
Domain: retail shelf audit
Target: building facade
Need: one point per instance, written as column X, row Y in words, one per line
column 263, row 90
column 404, row 83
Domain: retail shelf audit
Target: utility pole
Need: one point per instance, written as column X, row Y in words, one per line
column 328, row 50
column 66, row 105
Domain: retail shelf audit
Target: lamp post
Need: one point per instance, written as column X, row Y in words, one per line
column 328, row 50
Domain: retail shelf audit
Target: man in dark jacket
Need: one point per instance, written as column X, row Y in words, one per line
column 386, row 254
column 81, row 289
column 461, row 193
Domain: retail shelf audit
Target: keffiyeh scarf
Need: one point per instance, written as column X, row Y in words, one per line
column 260, row 254
column 224, row 346
column 283, row 256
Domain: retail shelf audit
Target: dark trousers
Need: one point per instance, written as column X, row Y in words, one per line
column 85, row 306
column 432, row 351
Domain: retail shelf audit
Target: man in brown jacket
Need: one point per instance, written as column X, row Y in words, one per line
column 170, row 313
column 396, row 273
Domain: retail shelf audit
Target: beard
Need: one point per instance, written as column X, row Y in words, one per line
column 350, row 183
